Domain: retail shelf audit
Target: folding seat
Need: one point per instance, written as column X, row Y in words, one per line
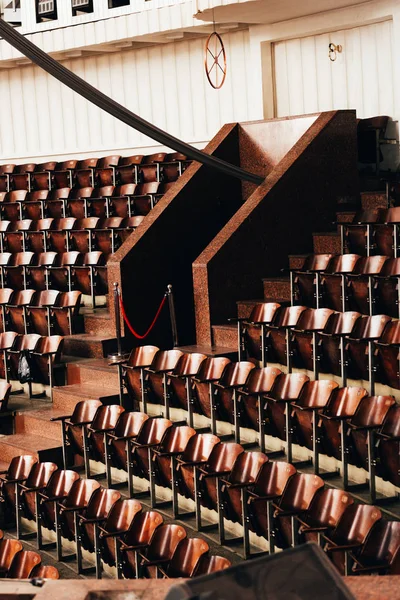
column 162, row 465
column 5, row 391
column 150, row 168
column 34, row 204
column 128, row 225
column 95, row 514
column 57, row 489
column 104, row 421
column 386, row 289
column 12, row 204
column 38, row 274
column 65, row 315
column 27, row 343
column 105, row 170
column 67, row 511
column 63, row 174
column 18, row 471
column 128, row 427
column 350, row 534
column 161, row 549
column 173, row 166
column 59, row 234
column 225, row 404
column 342, row 406
column 145, row 198
column 333, row 281
column 127, row 169
column 185, row 559
column 41, row 178
column 106, row 236
column 121, row 201
column 27, row 499
column 73, row 429
column 119, row 522
column 360, row 348
column 38, row 312
column 358, row 236
column 360, row 284
column 99, row 202
column 14, row 239
column 7, row 340
column 151, row 435
column 45, row 572
column 164, row 362
column 5, row 259
column 137, row 539
column 388, row 447
column 211, row 564
column 204, row 384
column 6, row 297
column 81, row 235
column 84, row 172
column 380, row 550
column 5, row 172
column 233, row 488
column 278, row 335
column 45, row 357
column 294, row 502
column 180, row 382
column 9, row 549
column 197, row 454
column 324, row 514
column 305, row 283
column 56, row 202
column 251, row 331
column 386, row 232
column 314, row 396
column 23, row 564
column 131, row 375
column 269, row 487
column 60, row 275
column 286, row 389
column 91, row 277
column 16, row 310
column 36, row 236
column 304, row 339
column 77, row 203
column 4, row 227
column 20, row 179
column 16, row 269
column 361, row 439
column 389, row 355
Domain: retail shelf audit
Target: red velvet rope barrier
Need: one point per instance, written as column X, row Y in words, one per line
column 131, row 329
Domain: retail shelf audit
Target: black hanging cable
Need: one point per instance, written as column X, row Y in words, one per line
column 79, row 85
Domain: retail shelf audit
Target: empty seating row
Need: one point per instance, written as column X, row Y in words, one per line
column 372, row 231
column 108, row 170
column 17, row 563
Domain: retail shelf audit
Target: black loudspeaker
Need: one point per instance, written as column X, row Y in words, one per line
column 301, row 573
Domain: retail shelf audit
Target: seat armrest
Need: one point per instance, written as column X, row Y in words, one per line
column 61, row 418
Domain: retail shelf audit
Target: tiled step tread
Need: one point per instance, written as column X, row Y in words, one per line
column 87, row 390
column 26, row 441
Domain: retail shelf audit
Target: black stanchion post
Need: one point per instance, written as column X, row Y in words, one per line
column 172, row 315
column 117, row 356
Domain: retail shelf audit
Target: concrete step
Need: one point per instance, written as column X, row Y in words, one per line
column 277, row 288
column 93, row 370
column 211, row 351
column 373, row 200
column 46, row 449
column 326, row 243
column 246, row 306
column 66, row 397
column 345, row 216
column 296, row 261
column 38, row 422
column 87, row 345
column 225, row 335
column 99, row 322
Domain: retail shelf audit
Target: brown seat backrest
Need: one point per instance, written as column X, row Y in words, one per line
column 175, row 157
column 81, row 493
column 23, row 225
column 5, row 226
column 85, row 411
column 7, row 339
column 6, row 169
column 103, row 192
column 20, row 259
column 189, row 364
column 153, row 158
column 153, row 431
column 132, row 222
column 369, row 265
column 43, row 224
column 50, row 344
column 372, row 411
column 186, row 557
column 129, row 424
column 106, row 417
column 261, row 381
column 344, row 263
column 369, row 328
column 151, row 187
column 247, row 466
column 391, row 426
column 316, row 393
column 391, row 333
column 47, row 298
column 200, row 447
column 356, row 523
column 15, row 196
column 165, row 540
column 264, row 312
column 5, row 258
column 63, row 224
column 8, row 550
column 166, row 360
column 71, row 258
column 328, row 507
column 46, row 166
column 66, row 164
column 142, row 356
column 70, row 299
column 106, row 161
column 342, row 323
column 382, row 544
column 60, row 483
column 25, row 168
column 60, row 193
column 370, row 215
column 101, row 503
column 314, row 319
column 316, row 262
column 273, row 478
column 86, row 163
column 236, row 374
column 300, row 491
column 45, row 572
column 209, row 563
column 23, row 298
column 136, row 159
column 212, row 368
column 176, row 439
column 391, row 268
column 143, row 529
column 6, row 295
column 223, row 457
column 288, row 386
column 36, row 195
column 110, row 223
column 20, row 467
column 344, row 401
column 49, row 259
column 40, row 474
column 122, row 515
column 88, row 223
column 23, row 564
column 127, row 189
column 392, row 215
column 94, row 258
column 287, row 316
column 78, row 193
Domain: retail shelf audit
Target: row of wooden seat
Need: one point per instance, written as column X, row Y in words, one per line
column 108, row 170
column 42, row 352
column 17, row 563
column 372, row 231
column 83, row 235
column 121, row 201
column 100, row 520
column 66, row 271
column 44, row 312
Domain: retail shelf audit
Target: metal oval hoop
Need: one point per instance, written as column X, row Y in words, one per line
column 216, row 50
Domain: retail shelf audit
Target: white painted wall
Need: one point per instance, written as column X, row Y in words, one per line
column 164, row 84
